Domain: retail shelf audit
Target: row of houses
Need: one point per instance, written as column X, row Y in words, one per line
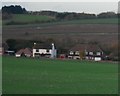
column 80, row 51
column 38, row 50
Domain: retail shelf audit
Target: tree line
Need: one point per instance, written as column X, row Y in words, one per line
column 73, row 15
column 17, row 9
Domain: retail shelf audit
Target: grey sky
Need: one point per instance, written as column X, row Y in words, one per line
column 87, row 7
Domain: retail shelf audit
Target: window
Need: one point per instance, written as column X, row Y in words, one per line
column 37, row 50
column 86, row 53
column 77, row 53
column 98, row 53
column 91, row 53
column 71, row 52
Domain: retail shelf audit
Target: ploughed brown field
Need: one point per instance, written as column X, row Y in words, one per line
column 104, row 33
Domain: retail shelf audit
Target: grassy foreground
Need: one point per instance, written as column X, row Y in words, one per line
column 46, row 76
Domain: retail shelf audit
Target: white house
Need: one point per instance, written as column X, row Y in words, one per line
column 86, row 51
column 44, row 51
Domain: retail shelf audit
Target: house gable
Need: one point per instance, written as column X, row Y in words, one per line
column 87, row 51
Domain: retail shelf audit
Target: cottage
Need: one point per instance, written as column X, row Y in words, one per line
column 40, row 50
column 94, row 52
column 24, row 52
column 77, row 52
column 86, row 51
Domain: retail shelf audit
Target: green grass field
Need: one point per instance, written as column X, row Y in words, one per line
column 25, row 18
column 71, row 22
column 47, row 76
column 20, row 19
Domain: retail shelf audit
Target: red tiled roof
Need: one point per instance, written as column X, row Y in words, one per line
column 87, row 47
column 93, row 48
column 25, row 51
column 81, row 47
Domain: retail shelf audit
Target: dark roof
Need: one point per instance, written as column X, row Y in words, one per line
column 42, row 46
column 93, row 48
column 86, row 47
column 78, row 47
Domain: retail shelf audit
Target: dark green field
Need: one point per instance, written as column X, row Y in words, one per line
column 28, row 19
column 47, row 76
column 20, row 19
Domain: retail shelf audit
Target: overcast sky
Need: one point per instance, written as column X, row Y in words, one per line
column 87, row 7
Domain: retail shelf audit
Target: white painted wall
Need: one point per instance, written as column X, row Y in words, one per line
column 76, row 57
column 97, row 59
column 17, row 55
column 44, row 51
column 27, row 55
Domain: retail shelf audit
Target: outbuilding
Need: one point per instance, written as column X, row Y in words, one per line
column 24, row 52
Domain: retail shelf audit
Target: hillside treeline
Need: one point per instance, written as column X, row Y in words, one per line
column 73, row 15
column 17, row 9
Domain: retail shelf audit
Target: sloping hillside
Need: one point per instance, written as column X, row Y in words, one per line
column 27, row 19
